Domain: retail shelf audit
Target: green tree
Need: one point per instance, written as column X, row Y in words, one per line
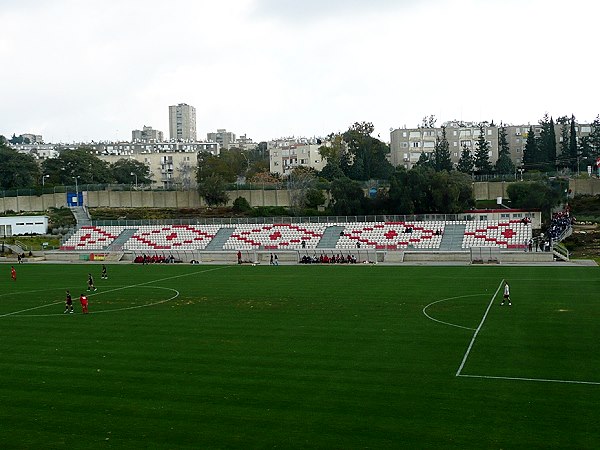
column 451, row 193
column 466, row 164
column 17, row 170
column 315, row 198
column 594, row 138
column 334, row 152
column 213, row 190
column 530, row 153
column 369, row 154
column 441, row 154
column 564, row 159
column 482, row 154
column 504, row 164
column 536, row 195
column 547, row 144
column 128, row 171
column 425, row 161
column 300, row 181
column 79, row 163
column 348, row 198
column 241, row 205
column 573, row 147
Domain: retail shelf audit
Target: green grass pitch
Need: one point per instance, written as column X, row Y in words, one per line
column 300, row 357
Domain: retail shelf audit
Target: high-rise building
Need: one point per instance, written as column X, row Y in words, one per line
column 182, row 122
column 147, row 134
column 223, row 137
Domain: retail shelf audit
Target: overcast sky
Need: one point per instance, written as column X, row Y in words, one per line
column 75, row 70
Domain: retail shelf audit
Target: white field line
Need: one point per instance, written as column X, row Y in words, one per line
column 464, row 360
column 542, row 380
column 445, row 300
column 126, row 308
column 117, row 289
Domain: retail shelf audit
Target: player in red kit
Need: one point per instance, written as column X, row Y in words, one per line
column 84, row 303
column 13, row 273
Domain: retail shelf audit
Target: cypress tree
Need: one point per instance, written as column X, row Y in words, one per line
column 530, row 152
column 573, row 145
column 442, row 159
column 482, row 154
column 465, row 163
column 504, row 165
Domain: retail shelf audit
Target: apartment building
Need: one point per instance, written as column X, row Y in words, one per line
column 171, row 164
column 226, row 139
column 147, row 134
column 285, row 154
column 182, row 122
column 407, row 144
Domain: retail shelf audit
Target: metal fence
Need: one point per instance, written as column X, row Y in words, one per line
column 285, row 220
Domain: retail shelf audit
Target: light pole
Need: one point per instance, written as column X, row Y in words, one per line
column 76, row 190
column 44, row 179
column 521, row 170
column 135, row 175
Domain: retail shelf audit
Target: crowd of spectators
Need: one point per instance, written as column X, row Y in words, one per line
column 561, row 221
column 155, row 259
column 326, row 259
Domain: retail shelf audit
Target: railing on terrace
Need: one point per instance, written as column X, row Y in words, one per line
column 286, row 219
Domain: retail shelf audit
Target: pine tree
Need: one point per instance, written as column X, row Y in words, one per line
column 573, row 150
column 465, row 163
column 504, row 165
column 530, row 153
column 441, row 153
column 482, row 154
column 564, row 158
column 546, row 154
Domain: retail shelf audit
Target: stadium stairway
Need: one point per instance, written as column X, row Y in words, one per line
column 81, row 215
column 453, row 237
column 220, row 238
column 119, row 242
column 330, row 237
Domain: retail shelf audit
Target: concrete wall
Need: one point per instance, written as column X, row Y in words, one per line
column 490, row 190
column 191, row 199
column 586, row 186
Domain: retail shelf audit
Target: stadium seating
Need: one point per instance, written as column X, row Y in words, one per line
column 426, row 235
column 512, row 234
column 92, row 238
column 171, row 237
column 281, row 236
column 392, row 235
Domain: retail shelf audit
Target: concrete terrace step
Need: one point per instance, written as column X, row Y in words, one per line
column 453, row 237
column 330, row 237
column 220, row 238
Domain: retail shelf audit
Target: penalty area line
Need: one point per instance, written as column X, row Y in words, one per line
column 464, row 360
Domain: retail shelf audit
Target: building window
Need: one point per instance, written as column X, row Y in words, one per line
column 489, row 132
column 416, row 144
column 404, row 144
column 404, row 134
column 465, row 144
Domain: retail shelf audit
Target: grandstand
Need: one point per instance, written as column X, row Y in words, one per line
column 392, row 240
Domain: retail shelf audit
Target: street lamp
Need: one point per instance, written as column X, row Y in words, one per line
column 135, row 175
column 44, row 179
column 76, row 189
